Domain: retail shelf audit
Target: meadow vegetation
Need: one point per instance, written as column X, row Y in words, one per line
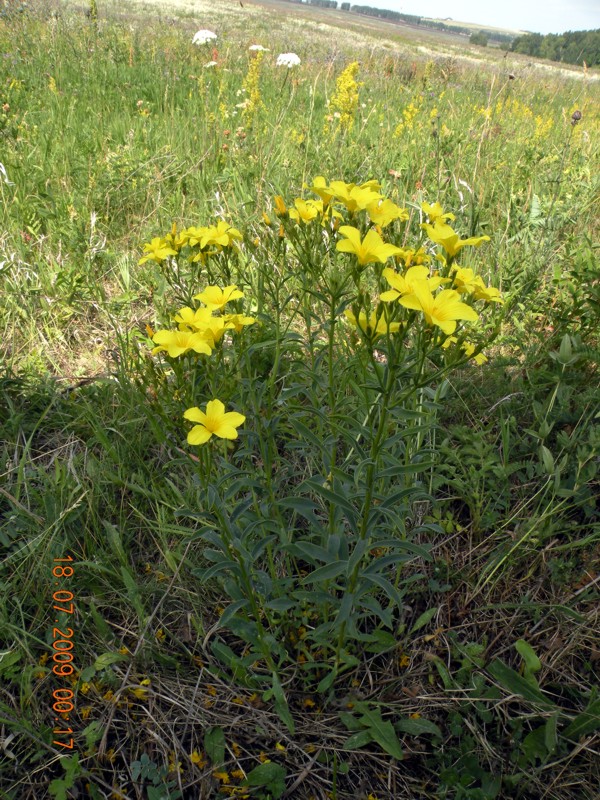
column 298, row 412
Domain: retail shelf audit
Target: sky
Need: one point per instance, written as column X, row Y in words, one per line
column 538, row 16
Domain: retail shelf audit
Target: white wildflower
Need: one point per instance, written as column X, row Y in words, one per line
column 288, row 60
column 258, row 48
column 210, row 64
column 203, row 37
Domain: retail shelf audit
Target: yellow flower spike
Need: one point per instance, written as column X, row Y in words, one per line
column 374, row 326
column 157, row 250
column 215, row 421
column 370, row 250
column 404, row 284
column 443, row 310
column 280, row 206
column 450, row 240
column 176, row 343
column 436, row 213
column 214, row 297
column 383, row 212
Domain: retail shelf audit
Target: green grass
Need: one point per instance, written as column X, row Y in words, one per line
column 468, row 667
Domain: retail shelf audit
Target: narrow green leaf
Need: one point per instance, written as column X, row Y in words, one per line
column 516, row 684
column 326, row 572
column 423, row 620
column 584, row 723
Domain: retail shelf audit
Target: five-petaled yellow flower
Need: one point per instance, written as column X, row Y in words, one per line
column 215, row 297
column 176, row 343
column 443, row 234
column 371, row 249
column 385, row 211
column 214, row 422
column 442, row 310
column 404, row 284
column 435, row 213
column 157, row 250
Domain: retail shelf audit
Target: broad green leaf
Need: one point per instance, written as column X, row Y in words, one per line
column 214, row 745
column 271, row 776
column 382, row 732
column 417, row 727
column 357, row 740
column 527, row 653
column 106, row 659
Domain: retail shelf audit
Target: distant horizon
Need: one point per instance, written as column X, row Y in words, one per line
column 553, row 16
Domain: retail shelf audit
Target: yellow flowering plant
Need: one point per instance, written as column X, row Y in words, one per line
column 363, row 322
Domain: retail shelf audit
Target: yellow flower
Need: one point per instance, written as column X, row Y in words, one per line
column 223, row 777
column 442, row 310
column 215, row 421
column 320, row 187
column 374, row 326
column 280, row 206
column 382, row 212
column 371, row 249
column 215, row 297
column 435, row 213
column 306, row 210
column 405, row 284
column 355, row 198
column 238, row 321
column 465, row 280
column 198, row 759
column 488, row 293
column 176, row 343
column 450, row 240
column 223, row 234
column 157, row 250
column 141, row 692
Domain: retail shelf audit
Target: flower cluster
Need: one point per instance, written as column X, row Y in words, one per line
column 198, row 241
column 288, row 60
column 421, row 283
column 203, row 37
column 199, row 330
